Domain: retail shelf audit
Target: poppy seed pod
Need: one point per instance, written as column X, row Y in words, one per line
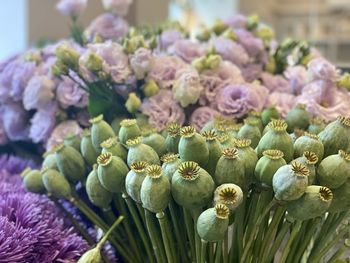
column 233, row 129
column 128, row 130
column 212, row 223
column 116, row 124
column 296, row 134
column 267, row 166
column 50, row 160
column 277, row 138
column 309, row 142
column 341, row 198
column 134, row 179
column 298, row 117
column 155, row 190
column 251, row 131
column 214, row 150
column 114, row 147
column 249, row 157
column 334, row 170
column 56, row 184
column 290, row 181
column 171, row 163
column 230, row 169
column 309, row 159
column 100, row 131
column 269, row 114
column 173, row 138
column 314, row 202
column 141, row 152
column 70, row 163
column 192, row 146
column 97, row 194
column 316, row 125
column 155, row 140
column 256, row 117
column 32, row 180
column 225, row 140
column 111, row 172
column 230, row 195
column 87, row 149
column 73, row 140
column 335, row 136
column 191, row 186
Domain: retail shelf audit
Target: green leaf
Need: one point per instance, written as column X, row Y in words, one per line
column 100, row 99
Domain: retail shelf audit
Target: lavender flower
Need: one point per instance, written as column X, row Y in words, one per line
column 61, row 131
column 297, row 78
column 231, row 51
column 38, row 93
column 141, row 62
column 237, row 21
column 321, row 91
column 169, row 37
column 187, row 50
column 119, row 7
column 201, row 116
column 252, row 71
column 320, row 68
column 283, row 102
column 69, row 93
column 3, row 136
column 71, row 7
column 275, row 82
column 253, row 45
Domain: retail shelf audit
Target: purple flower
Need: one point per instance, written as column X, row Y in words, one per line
column 229, row 72
column 283, row 102
column 38, row 93
column 297, row 78
column 321, row 91
column 230, row 50
column 61, row 131
column 187, row 50
column 201, row 116
column 71, row 7
column 162, row 109
column 141, row 62
column 168, row 38
column 275, row 82
column 119, row 7
column 3, row 136
column 69, row 93
column 108, row 26
column 253, row 45
column 252, row 71
column 320, row 68
column 237, row 21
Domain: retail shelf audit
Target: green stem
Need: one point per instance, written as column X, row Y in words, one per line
column 337, row 255
column 197, row 239
column 190, row 232
column 110, row 230
column 211, row 252
column 141, row 212
column 109, row 216
column 163, row 222
column 226, row 247
column 298, row 239
column 218, row 252
column 203, row 250
column 287, row 247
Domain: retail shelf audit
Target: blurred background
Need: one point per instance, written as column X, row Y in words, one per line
column 324, row 23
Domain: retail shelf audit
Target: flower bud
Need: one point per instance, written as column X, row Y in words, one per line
column 230, row 195
column 49, row 160
column 173, row 138
column 32, row 180
column 91, row 256
column 139, row 151
column 316, row 125
column 59, row 69
column 214, row 148
column 213, row 61
column 191, row 186
column 171, row 163
column 298, row 117
column 229, row 34
column 100, row 131
column 251, row 131
column 111, row 172
column 219, row 27
column 94, row 62
column 265, row 33
column 150, row 88
column 308, row 142
column 271, row 65
column 212, row 224
column 68, row 56
column 56, row 184
column 128, row 130
column 199, row 63
column 192, row 146
column 133, row 103
column 344, row 81
column 203, row 34
column 269, row 114
column 253, row 21
column 249, row 157
column 154, row 140
column 134, row 179
column 309, row 159
column 155, row 190
column 290, row 181
column 87, row 149
column 114, row 147
column 73, row 140
column 341, row 198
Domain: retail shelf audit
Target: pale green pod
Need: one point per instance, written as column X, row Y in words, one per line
column 87, row 150
column 116, row 124
column 192, row 146
column 269, row 114
column 336, row 136
column 230, row 195
column 171, row 163
column 100, row 131
column 309, row 159
column 233, row 129
column 316, row 125
column 290, row 181
column 91, row 256
column 210, row 125
column 334, row 170
column 296, row 134
column 309, row 142
column 255, row 116
column 191, row 186
column 134, row 179
column 277, row 138
column 297, row 118
column 341, row 198
column 50, row 160
column 250, row 130
column 154, row 140
column 155, row 190
column 314, row 203
column 230, row 169
column 268, row 165
column 128, row 130
column 32, row 180
column 226, row 141
column 112, row 172
column 173, row 138
column 56, row 184
column 114, row 147
column 70, row 163
column 249, row 157
column 141, row 120
column 139, row 151
column 97, row 194
column 73, row 140
column 212, row 223
column 214, row 148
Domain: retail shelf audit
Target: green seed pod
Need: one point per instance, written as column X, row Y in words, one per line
column 308, row 142
column 341, row 198
column 277, row 138
column 296, row 134
column 141, row 152
column 100, row 131
column 298, row 117
column 87, row 149
column 226, row 141
column 192, row 146
column 290, row 181
column 233, row 129
column 134, row 179
column 70, row 163
column 335, row 136
column 249, row 157
column 316, row 125
column 73, row 140
column 116, row 124
column 255, row 116
column 334, row 170
column 214, row 150
column 267, row 166
column 313, row 203
column 155, row 140
column 114, row 147
column 50, row 160
column 56, row 184
column 250, row 130
column 97, row 194
column 230, row 169
column 269, row 114
column 32, row 180
column 112, row 172
column 128, row 130
column 309, row 159
column 91, row 256
column 173, row 138
column 212, row 224
column 155, row 190
column 171, row 163
column 191, row 186
column 230, row 195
